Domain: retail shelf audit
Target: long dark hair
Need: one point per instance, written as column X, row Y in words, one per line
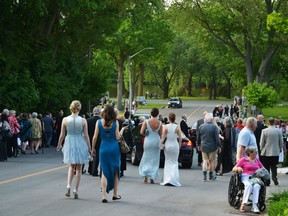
column 108, row 115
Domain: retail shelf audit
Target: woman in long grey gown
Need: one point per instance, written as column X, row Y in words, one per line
column 149, row 165
column 172, row 131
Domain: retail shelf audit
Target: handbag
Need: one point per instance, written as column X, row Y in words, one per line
column 124, row 148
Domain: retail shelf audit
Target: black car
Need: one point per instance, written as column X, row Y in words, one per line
column 175, row 102
column 185, row 155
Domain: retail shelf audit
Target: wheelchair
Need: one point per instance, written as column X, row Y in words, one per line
column 236, row 191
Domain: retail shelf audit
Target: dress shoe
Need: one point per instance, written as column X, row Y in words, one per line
column 145, row 179
column 116, row 198
column 275, row 180
column 36, row 151
column 151, row 181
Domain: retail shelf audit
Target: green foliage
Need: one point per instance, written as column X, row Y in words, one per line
column 278, row 21
column 260, row 95
column 278, row 204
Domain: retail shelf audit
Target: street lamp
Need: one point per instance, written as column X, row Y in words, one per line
column 130, row 79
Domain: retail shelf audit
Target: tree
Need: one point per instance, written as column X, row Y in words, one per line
column 260, row 95
column 241, row 26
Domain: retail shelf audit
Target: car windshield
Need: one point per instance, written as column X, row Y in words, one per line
column 174, row 99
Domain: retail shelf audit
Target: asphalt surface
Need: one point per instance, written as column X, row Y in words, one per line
column 34, row 185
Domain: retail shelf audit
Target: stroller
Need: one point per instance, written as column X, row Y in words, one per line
column 236, row 189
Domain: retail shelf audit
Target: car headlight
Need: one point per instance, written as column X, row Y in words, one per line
column 169, row 102
column 177, row 102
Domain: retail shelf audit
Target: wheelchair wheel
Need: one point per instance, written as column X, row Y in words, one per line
column 233, row 192
column 262, row 197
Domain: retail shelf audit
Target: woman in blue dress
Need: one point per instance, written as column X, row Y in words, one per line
column 149, row 165
column 109, row 153
column 76, row 150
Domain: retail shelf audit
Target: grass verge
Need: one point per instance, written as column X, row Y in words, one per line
column 276, row 112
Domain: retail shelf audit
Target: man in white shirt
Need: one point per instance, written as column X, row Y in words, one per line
column 246, row 137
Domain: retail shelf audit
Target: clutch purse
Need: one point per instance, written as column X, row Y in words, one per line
column 124, row 148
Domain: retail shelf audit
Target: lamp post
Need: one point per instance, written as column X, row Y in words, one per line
column 130, row 78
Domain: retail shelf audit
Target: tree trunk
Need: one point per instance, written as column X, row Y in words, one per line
column 120, row 85
column 214, row 89
column 189, row 85
column 141, row 79
column 210, row 90
column 249, row 70
column 228, row 95
column 265, row 63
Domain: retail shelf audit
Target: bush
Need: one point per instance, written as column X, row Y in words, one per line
column 278, row 204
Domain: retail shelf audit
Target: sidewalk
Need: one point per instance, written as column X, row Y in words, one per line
column 282, row 170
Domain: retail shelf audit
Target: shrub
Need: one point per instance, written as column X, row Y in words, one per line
column 278, row 204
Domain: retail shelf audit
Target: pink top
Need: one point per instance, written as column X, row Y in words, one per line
column 249, row 167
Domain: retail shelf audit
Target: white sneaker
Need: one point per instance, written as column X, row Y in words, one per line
column 255, row 209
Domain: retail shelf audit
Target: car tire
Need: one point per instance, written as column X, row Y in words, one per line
column 134, row 159
column 186, row 165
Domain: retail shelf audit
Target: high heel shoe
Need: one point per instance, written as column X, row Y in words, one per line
column 67, row 194
column 145, row 179
column 151, row 181
column 75, row 192
column 104, row 200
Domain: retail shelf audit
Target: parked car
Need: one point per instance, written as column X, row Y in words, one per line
column 141, row 100
column 185, row 155
column 175, row 102
column 136, row 120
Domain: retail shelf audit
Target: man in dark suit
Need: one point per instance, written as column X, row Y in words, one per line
column 184, row 126
column 258, row 131
column 91, row 122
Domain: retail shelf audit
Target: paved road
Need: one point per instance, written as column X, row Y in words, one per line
column 34, row 185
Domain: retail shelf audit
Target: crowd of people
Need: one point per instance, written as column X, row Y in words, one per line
column 224, row 143
column 242, row 145
column 27, row 132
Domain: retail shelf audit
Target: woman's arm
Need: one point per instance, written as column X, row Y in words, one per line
column 86, row 136
column 119, row 134
column 164, row 134
column 178, row 131
column 95, row 136
column 62, row 134
column 143, row 128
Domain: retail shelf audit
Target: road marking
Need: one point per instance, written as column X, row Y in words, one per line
column 194, row 112
column 33, row 174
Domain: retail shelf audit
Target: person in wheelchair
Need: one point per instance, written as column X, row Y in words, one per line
column 247, row 166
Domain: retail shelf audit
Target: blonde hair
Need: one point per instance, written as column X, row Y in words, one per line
column 75, row 106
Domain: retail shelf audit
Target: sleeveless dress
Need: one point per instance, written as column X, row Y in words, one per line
column 149, row 165
column 109, row 153
column 75, row 150
column 171, row 151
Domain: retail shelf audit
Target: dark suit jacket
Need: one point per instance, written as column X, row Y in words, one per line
column 184, row 127
column 91, row 122
column 257, row 134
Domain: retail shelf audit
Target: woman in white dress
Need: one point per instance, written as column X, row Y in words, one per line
column 172, row 131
